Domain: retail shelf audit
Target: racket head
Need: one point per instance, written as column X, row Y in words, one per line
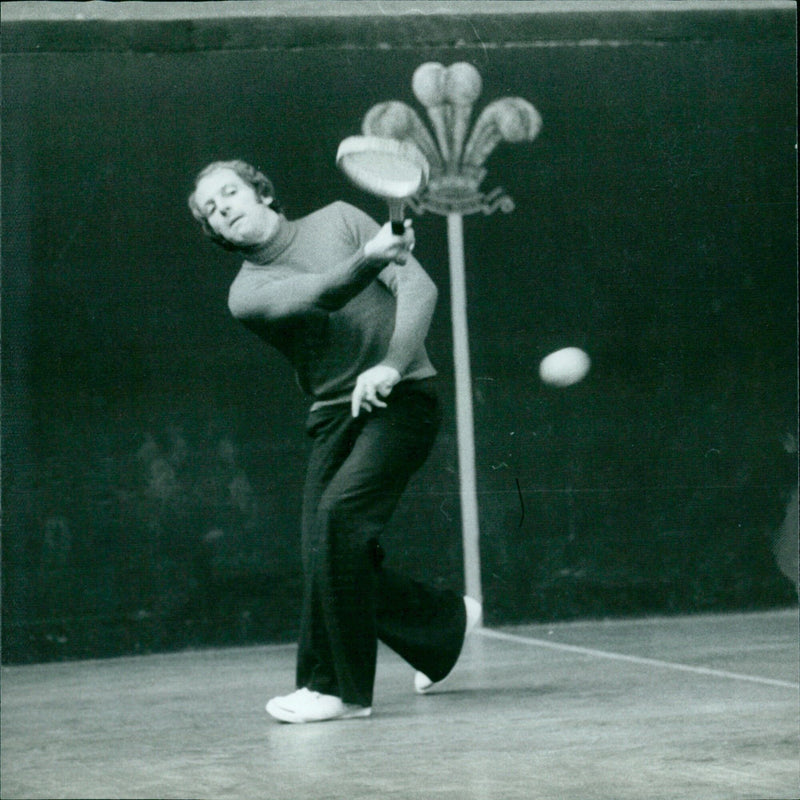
column 384, row 167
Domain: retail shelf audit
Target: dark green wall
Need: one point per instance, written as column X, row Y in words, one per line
column 153, row 450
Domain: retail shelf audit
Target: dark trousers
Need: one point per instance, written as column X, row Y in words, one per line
column 357, row 471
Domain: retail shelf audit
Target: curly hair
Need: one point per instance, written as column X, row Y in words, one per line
column 250, row 175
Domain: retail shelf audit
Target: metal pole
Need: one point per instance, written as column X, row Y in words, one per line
column 464, row 423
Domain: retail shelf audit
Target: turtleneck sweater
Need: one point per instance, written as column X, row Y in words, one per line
column 329, row 344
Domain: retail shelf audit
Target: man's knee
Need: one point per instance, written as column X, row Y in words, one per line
column 346, row 532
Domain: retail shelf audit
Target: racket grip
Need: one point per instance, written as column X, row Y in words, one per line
column 396, row 209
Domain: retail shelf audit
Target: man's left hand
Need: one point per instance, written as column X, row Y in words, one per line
column 372, row 386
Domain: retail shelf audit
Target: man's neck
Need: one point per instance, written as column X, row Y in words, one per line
column 280, row 237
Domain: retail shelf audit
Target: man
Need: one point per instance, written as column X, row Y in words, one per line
column 347, row 304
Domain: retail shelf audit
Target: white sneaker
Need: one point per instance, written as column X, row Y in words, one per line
column 422, row 683
column 307, row 706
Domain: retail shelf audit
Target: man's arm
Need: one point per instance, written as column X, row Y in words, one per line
column 255, row 296
column 416, row 296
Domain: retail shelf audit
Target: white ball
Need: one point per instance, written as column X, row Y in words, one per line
column 564, row 367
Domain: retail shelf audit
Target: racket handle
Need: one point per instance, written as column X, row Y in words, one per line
column 396, row 213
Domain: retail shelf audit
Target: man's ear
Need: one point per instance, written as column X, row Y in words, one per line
column 267, row 201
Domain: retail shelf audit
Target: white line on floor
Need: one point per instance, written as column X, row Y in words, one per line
column 653, row 662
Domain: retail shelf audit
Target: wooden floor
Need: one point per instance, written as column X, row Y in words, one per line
column 690, row 708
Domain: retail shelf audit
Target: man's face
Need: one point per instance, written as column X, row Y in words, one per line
column 233, row 209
